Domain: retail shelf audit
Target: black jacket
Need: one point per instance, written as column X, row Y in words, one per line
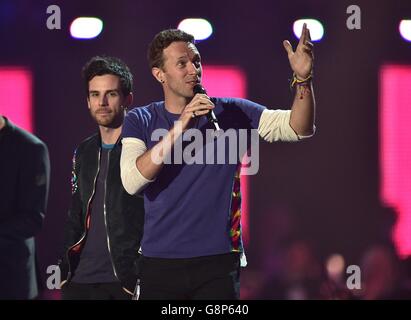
column 25, row 174
column 124, row 214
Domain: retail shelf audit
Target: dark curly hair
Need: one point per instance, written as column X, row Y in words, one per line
column 161, row 41
column 101, row 65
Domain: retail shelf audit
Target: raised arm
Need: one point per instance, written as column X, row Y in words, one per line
column 301, row 62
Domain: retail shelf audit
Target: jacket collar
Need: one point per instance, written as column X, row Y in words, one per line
column 99, row 141
column 8, row 128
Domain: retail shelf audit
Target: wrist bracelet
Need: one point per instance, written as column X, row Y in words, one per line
column 297, row 81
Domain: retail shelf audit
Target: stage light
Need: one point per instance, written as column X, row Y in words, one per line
column 334, row 266
column 315, row 26
column 201, row 29
column 16, row 90
column 395, row 151
column 86, row 27
column 405, row 29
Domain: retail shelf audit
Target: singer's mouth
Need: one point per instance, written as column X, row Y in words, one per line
column 194, row 81
column 103, row 112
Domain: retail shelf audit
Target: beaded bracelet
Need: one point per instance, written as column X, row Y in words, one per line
column 297, row 81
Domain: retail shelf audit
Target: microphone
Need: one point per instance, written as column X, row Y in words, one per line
column 198, row 88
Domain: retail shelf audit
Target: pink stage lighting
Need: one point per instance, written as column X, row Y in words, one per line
column 16, row 93
column 395, row 149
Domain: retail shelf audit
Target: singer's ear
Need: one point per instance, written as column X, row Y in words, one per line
column 128, row 100
column 158, row 74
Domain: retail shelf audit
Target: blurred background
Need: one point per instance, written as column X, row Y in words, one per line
column 341, row 198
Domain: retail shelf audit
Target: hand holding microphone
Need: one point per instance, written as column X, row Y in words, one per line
column 198, row 88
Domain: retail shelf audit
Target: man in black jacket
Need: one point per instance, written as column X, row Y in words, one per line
column 105, row 223
column 25, row 174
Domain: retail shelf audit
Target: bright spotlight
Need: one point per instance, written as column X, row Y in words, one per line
column 201, row 29
column 315, row 26
column 86, row 27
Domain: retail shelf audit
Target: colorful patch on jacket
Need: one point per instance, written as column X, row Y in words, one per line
column 235, row 215
column 74, row 179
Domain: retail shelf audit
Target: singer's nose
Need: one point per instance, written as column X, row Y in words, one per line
column 103, row 100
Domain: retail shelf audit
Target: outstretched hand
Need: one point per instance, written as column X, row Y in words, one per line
column 301, row 61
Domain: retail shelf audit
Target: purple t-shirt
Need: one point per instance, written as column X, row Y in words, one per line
column 193, row 210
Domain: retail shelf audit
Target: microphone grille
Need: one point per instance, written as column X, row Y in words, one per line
column 198, row 88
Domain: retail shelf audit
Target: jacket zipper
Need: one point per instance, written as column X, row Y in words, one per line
column 87, row 214
column 105, row 216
